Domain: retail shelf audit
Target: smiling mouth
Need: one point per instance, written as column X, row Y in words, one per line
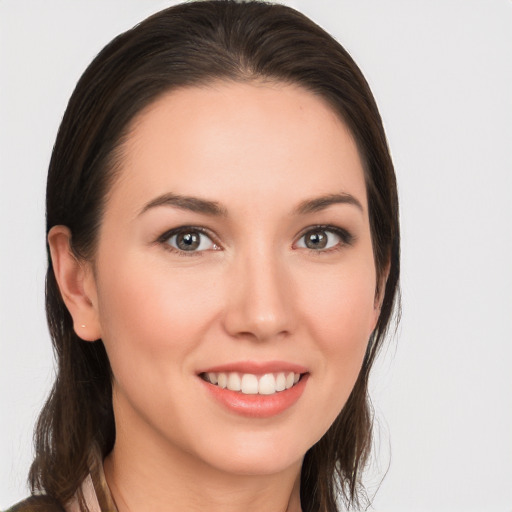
column 251, row 384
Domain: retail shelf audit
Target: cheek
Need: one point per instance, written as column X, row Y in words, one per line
column 341, row 305
column 340, row 315
column 150, row 314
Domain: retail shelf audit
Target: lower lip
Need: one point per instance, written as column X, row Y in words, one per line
column 257, row 406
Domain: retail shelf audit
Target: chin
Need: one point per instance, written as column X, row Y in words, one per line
column 255, row 454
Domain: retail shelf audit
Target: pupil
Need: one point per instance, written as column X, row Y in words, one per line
column 316, row 240
column 188, row 241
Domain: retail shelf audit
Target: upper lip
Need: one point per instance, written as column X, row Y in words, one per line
column 256, row 367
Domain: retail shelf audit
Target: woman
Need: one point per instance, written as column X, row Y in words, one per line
column 223, row 234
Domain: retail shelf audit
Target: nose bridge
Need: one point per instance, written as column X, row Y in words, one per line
column 260, row 303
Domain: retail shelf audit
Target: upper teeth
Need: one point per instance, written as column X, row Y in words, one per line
column 251, row 384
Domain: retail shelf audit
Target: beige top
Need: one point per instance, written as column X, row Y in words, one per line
column 94, row 488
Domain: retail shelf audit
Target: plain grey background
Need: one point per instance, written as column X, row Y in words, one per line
column 441, row 71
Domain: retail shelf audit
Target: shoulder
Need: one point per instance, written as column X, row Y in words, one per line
column 37, row 504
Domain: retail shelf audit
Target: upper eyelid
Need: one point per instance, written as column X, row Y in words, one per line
column 175, row 231
column 327, row 227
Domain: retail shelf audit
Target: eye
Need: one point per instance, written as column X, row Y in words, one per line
column 324, row 238
column 189, row 240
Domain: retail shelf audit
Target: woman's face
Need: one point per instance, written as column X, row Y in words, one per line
column 235, row 244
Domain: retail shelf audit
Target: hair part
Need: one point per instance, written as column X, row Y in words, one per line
column 189, row 45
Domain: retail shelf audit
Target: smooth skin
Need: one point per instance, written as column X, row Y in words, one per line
column 254, row 288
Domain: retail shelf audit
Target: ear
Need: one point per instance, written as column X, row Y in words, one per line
column 76, row 283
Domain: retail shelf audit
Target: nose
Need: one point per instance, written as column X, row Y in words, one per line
column 259, row 303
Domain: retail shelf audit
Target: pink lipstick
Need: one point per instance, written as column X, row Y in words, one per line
column 258, row 390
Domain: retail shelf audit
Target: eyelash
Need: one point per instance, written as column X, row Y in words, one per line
column 164, row 240
column 346, row 239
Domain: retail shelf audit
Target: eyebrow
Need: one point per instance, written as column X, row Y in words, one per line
column 321, row 203
column 213, row 208
column 189, row 203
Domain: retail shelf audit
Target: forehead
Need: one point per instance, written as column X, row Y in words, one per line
column 250, row 143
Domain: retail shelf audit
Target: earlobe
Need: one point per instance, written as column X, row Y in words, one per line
column 76, row 284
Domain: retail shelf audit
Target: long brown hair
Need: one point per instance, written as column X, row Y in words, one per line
column 191, row 44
